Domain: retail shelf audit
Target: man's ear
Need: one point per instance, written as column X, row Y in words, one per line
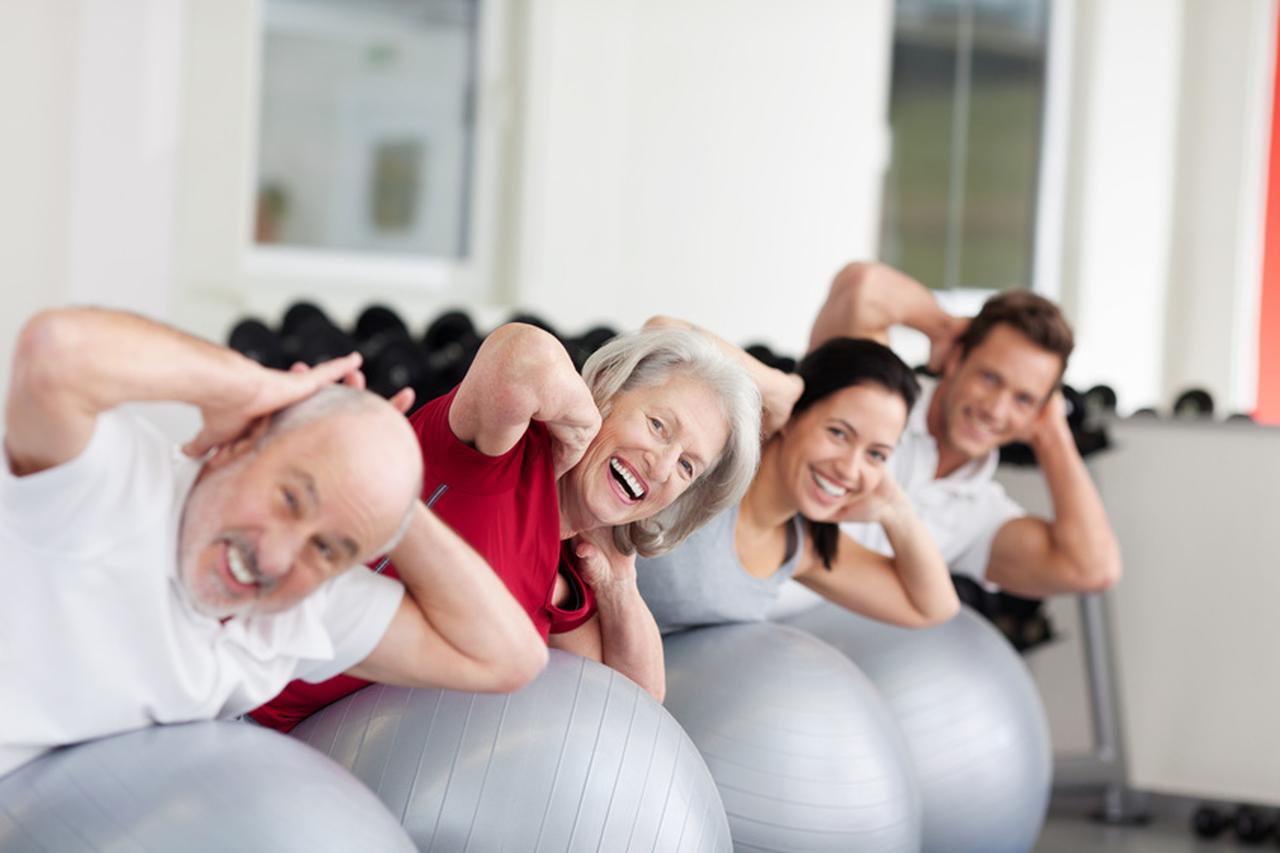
column 244, row 444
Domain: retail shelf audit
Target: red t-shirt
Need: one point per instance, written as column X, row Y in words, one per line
column 505, row 507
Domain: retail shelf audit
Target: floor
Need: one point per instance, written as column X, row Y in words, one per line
column 1071, row 829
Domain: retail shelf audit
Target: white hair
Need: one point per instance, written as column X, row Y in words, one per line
column 649, row 357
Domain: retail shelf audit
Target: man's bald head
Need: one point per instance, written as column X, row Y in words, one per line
column 319, row 486
column 372, row 417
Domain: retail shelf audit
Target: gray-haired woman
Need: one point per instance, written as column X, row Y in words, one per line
column 559, row 480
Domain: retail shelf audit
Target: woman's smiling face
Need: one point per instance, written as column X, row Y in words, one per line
column 654, row 442
column 834, row 452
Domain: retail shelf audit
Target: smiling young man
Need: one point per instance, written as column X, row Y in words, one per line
column 144, row 586
column 999, row 382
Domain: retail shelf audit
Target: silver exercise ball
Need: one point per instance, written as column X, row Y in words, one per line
column 200, row 787
column 580, row 760
column 972, row 718
column 806, row 754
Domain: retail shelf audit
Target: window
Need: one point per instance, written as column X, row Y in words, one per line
column 967, row 97
column 366, row 126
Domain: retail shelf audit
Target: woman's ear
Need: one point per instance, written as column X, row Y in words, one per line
column 237, row 448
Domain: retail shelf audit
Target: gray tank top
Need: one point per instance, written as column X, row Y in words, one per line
column 702, row 582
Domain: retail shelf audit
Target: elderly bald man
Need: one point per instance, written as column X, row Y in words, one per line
column 144, row 586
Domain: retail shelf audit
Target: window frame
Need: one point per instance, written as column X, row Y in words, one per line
column 1051, row 172
column 217, row 223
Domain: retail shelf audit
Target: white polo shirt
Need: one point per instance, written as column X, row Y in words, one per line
column 963, row 511
column 96, row 634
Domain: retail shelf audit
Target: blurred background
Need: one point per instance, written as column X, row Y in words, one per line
column 204, row 160
column 596, row 162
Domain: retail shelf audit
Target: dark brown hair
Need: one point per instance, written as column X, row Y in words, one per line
column 1031, row 315
column 838, row 364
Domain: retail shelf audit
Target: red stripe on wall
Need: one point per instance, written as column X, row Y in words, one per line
column 1268, row 410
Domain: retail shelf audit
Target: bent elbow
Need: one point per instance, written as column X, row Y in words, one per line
column 854, row 276
column 46, row 347
column 1103, row 575
column 943, row 614
column 932, row 617
column 526, row 667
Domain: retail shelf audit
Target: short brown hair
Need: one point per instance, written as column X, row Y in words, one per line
column 1034, row 317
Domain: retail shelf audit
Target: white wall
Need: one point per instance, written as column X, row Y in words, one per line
column 37, row 69
column 90, row 135
column 1120, row 191
column 716, row 160
column 1218, row 232
column 1163, row 218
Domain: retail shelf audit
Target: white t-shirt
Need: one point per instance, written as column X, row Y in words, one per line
column 97, row 635
column 963, row 511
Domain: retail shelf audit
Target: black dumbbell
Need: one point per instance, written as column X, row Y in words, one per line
column 1146, row 412
column 451, row 327
column 595, row 337
column 450, row 343
column 297, row 315
column 254, row 339
column 392, row 359
column 308, row 335
column 760, row 352
column 585, row 345
column 1209, row 821
column 1099, row 401
column 1193, row 403
column 376, row 320
column 1252, row 825
column 764, row 355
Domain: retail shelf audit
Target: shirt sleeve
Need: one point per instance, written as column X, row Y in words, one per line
column 122, row 477
column 562, row 620
column 990, row 510
column 448, row 459
column 356, row 608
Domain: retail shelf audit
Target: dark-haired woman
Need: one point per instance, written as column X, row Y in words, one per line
column 824, row 465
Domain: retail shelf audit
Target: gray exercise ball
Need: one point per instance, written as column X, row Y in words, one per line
column 806, row 754
column 580, row 760
column 972, row 718
column 200, row 787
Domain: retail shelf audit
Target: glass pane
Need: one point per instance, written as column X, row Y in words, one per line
column 366, row 125
column 965, row 103
column 1001, row 169
column 921, row 104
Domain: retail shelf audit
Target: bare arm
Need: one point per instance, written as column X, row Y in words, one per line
column 71, row 364
column 912, row 588
column 1076, row 551
column 867, row 298
column 458, row 626
column 778, row 391
column 623, row 634
column 521, row 374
